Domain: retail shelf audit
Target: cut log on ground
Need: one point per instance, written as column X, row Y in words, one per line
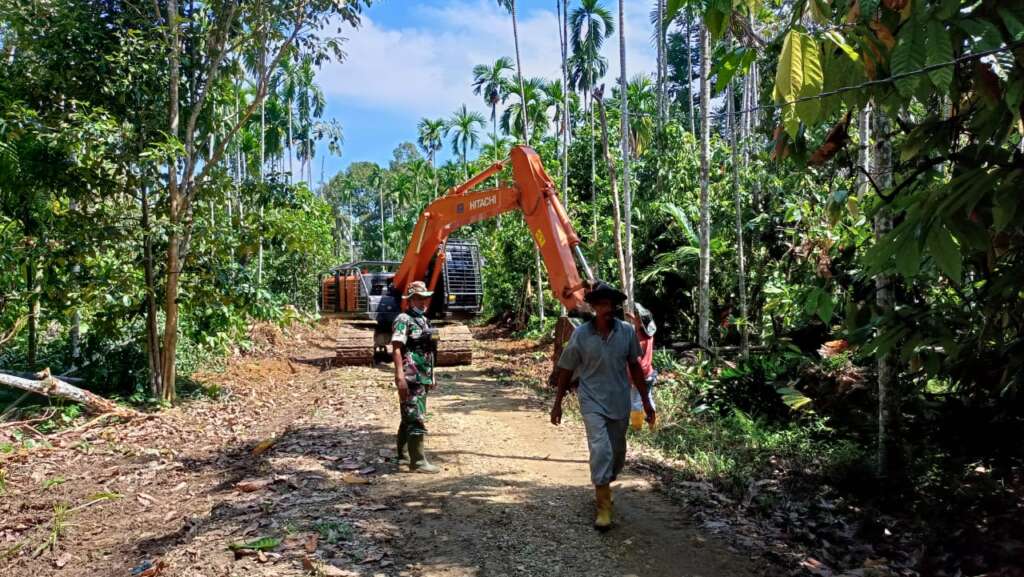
column 51, row 386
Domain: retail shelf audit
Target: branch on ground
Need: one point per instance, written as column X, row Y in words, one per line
column 50, row 386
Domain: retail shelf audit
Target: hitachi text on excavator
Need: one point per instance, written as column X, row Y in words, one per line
column 369, row 292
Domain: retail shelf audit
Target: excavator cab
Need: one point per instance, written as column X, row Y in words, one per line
column 363, row 290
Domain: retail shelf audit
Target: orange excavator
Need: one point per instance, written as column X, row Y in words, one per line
column 370, row 291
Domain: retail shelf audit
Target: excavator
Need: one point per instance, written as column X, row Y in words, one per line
column 371, row 292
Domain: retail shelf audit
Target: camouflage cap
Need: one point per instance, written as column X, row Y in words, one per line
column 417, row 288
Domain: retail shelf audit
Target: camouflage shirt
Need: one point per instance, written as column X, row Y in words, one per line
column 418, row 366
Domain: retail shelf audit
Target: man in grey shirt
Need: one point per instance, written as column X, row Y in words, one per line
column 600, row 352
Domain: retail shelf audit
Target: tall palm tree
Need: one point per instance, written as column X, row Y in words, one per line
column 289, row 86
column 431, row 140
column 331, row 131
column 590, row 24
column 510, row 5
column 463, row 128
column 516, row 123
column 310, row 104
column 491, row 82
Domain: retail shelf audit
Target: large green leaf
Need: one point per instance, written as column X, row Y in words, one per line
column 678, row 216
column 826, row 305
column 908, row 255
column 788, row 74
column 908, row 56
column 793, row 398
column 789, row 79
column 945, row 251
column 940, row 49
column 812, row 80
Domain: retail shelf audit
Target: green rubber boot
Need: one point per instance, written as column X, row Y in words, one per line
column 403, row 440
column 417, row 459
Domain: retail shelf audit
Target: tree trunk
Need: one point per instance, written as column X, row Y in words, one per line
column 33, row 310
column 863, row 150
column 613, row 184
column 689, row 70
column 741, row 283
column 519, row 73
column 263, row 162
column 167, row 370
column 885, row 299
column 50, row 386
column 593, row 166
column 627, row 196
column 291, row 170
column 433, row 170
column 153, row 354
column 658, row 30
column 704, row 307
column 566, row 115
column 383, row 254
column 75, row 333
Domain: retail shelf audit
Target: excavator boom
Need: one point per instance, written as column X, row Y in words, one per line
column 533, row 193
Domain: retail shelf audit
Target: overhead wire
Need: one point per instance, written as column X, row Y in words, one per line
column 862, row 85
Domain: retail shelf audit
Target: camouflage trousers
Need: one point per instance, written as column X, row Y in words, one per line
column 414, row 412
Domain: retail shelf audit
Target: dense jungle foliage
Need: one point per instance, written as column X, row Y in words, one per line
column 868, row 152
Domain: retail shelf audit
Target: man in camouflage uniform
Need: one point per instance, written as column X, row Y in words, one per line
column 414, row 374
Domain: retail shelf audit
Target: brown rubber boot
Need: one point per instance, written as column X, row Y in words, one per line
column 603, row 497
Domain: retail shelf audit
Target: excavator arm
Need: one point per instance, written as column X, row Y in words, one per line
column 533, row 193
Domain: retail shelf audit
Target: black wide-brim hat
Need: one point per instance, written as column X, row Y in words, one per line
column 603, row 290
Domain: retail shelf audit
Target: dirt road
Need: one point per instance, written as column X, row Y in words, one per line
column 513, row 497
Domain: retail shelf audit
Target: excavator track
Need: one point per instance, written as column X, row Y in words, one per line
column 456, row 346
column 355, row 346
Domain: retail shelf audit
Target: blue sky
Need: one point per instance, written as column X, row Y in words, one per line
column 413, row 58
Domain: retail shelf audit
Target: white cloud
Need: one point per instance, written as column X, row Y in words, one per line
column 424, row 68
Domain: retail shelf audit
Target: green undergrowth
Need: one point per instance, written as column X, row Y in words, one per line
column 731, row 447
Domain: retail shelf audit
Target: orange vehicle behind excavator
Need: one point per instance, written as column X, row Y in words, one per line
column 370, row 290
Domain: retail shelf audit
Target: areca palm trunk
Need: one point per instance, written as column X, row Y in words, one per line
column 689, row 69
column 740, row 248
column 661, row 56
column 291, row 169
column 704, row 308
column 593, row 189
column 565, row 105
column 885, row 299
column 627, row 196
column 433, row 169
column 519, row 73
column 613, row 185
